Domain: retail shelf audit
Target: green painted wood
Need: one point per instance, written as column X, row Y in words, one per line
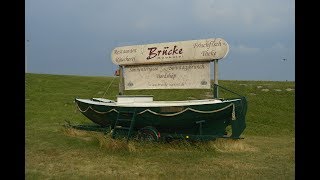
column 185, row 123
column 125, row 122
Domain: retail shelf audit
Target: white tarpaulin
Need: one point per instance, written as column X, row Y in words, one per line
column 171, row 52
column 194, row 75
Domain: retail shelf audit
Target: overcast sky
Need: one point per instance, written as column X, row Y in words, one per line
column 77, row 36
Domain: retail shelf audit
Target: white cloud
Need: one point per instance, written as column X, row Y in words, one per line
column 142, row 23
column 242, row 49
column 278, row 45
column 250, row 15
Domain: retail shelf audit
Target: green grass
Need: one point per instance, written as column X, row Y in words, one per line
column 55, row 152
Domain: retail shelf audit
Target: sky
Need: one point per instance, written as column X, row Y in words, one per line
column 76, row 37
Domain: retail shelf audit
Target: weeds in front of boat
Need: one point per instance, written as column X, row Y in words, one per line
column 106, row 142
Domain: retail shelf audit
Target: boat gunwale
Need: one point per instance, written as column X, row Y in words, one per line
column 159, row 103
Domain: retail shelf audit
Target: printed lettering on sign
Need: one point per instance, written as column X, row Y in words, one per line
column 195, row 75
column 171, row 52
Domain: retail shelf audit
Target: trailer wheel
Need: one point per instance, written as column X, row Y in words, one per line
column 148, row 133
column 169, row 138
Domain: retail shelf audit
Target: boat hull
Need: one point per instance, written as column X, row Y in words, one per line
column 203, row 119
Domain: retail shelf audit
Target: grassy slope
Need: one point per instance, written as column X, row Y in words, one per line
column 53, row 151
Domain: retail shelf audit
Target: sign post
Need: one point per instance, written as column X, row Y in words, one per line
column 215, row 81
column 121, row 83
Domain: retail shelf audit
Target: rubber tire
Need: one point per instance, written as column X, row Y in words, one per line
column 148, row 133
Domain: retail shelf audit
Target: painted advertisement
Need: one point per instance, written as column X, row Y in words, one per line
column 171, row 52
column 194, row 75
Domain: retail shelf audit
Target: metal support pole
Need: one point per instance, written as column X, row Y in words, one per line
column 215, row 87
column 200, row 126
column 121, row 81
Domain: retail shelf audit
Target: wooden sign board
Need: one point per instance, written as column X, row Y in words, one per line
column 194, row 75
column 171, row 52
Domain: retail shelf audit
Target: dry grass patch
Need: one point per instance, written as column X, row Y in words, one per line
column 108, row 143
column 230, row 145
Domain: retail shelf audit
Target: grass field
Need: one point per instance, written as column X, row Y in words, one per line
column 55, row 152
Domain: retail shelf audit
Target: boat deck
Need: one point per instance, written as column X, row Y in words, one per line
column 151, row 103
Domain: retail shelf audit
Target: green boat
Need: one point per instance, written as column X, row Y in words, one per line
column 142, row 117
column 207, row 118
